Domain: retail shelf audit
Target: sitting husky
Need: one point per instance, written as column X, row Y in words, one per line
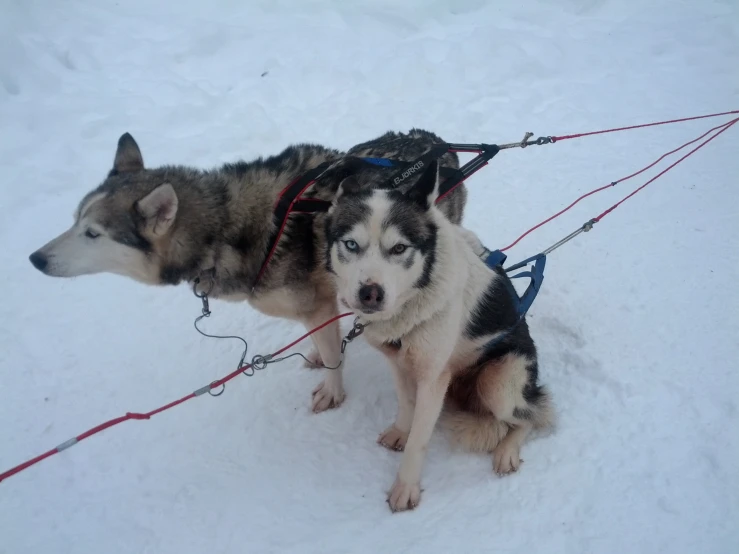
column 169, row 225
column 446, row 322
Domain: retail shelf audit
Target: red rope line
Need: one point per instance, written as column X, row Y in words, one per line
column 578, row 135
column 143, row 416
column 722, row 128
column 668, row 168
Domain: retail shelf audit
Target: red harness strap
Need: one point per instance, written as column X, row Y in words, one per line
column 289, row 202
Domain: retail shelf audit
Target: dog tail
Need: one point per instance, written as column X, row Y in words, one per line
column 477, row 433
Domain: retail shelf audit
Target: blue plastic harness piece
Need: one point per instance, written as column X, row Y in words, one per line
column 384, row 162
column 535, row 274
column 495, row 258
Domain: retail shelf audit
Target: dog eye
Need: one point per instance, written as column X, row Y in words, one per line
column 90, row 234
column 351, row 246
column 398, row 249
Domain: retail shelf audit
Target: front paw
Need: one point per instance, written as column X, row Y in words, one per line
column 404, row 496
column 327, row 396
column 393, row 438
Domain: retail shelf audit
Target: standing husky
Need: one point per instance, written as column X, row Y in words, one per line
column 173, row 224
column 445, row 321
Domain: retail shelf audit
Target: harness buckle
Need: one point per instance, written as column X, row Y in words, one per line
column 356, row 330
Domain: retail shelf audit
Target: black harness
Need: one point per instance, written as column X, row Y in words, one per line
column 290, row 200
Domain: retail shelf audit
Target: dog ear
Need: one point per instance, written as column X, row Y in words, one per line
column 127, row 156
column 425, row 191
column 158, row 209
column 350, row 185
column 339, row 172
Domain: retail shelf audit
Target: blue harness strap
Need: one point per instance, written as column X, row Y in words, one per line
column 535, row 274
column 383, row 162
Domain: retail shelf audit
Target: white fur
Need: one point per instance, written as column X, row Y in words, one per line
column 433, row 348
column 73, row 253
column 372, row 266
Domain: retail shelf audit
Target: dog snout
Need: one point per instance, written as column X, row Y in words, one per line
column 39, row 261
column 371, row 296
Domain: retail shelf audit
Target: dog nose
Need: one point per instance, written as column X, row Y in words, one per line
column 371, row 296
column 38, row 260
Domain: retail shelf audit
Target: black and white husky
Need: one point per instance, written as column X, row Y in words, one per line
column 446, row 322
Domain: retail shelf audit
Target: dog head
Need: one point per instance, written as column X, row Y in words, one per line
column 120, row 227
column 382, row 243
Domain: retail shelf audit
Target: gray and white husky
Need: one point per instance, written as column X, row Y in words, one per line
column 446, row 322
column 175, row 224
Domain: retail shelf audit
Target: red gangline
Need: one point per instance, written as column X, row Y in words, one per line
column 668, row 168
column 723, row 127
column 143, row 416
column 578, row 135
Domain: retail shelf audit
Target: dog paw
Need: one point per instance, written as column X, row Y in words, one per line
column 325, row 397
column 404, row 496
column 393, row 439
column 313, row 360
column 506, row 458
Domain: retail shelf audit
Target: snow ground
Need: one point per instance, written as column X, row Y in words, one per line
column 637, row 324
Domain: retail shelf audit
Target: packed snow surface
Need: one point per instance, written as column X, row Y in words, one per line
column 637, row 323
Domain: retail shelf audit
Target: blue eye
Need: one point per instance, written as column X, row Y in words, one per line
column 398, row 249
column 351, row 246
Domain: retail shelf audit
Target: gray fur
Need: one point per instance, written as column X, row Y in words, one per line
column 172, row 224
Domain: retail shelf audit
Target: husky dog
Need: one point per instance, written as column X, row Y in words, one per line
column 175, row 224
column 446, row 322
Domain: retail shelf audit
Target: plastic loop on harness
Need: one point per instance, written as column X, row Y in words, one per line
column 535, row 274
column 495, row 258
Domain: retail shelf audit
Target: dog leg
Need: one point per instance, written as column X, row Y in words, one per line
column 501, row 387
column 396, row 436
column 406, row 491
column 313, row 358
column 330, row 393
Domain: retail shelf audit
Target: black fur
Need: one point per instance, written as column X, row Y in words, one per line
column 421, row 191
column 495, row 310
column 429, row 259
column 413, row 222
column 523, row 413
column 302, row 238
column 354, row 211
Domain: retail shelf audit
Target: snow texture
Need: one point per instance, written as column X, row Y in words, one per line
column 637, row 323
